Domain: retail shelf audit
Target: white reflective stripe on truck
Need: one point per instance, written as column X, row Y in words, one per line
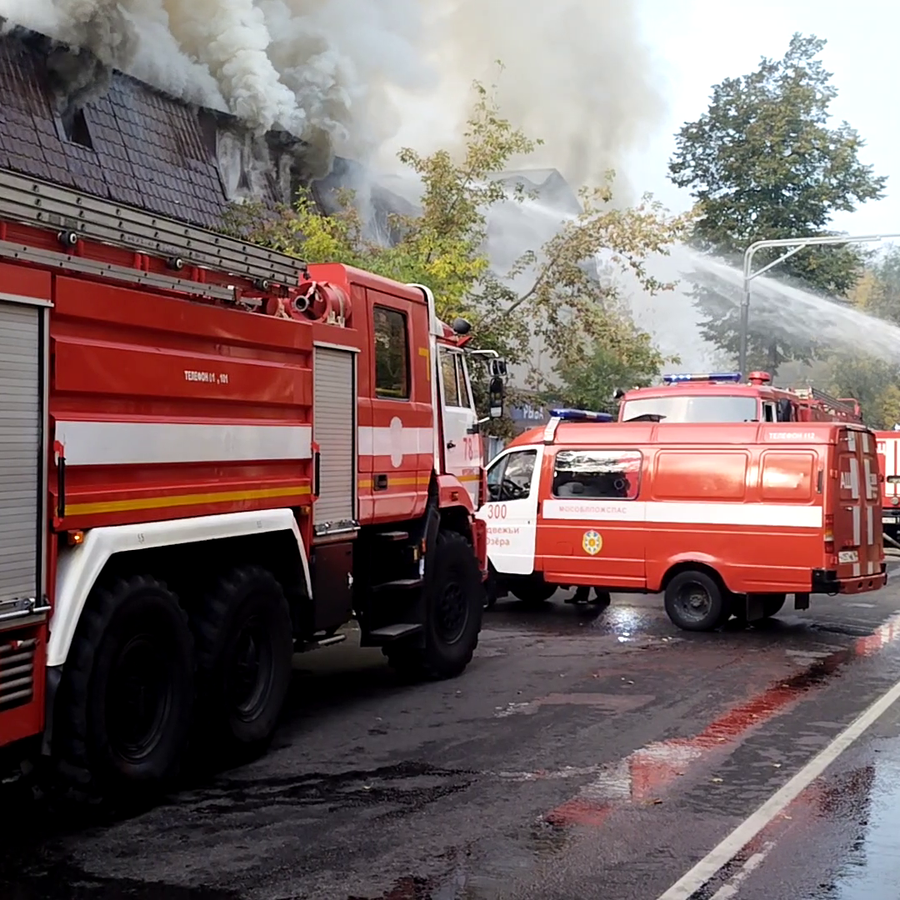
column 870, row 538
column 870, row 488
column 854, row 479
column 775, row 515
column 851, row 441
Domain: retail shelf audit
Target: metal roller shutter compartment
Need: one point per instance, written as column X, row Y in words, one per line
column 334, row 430
column 20, row 447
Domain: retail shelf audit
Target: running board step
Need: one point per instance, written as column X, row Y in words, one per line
column 392, row 633
column 402, row 584
column 322, row 642
column 394, row 535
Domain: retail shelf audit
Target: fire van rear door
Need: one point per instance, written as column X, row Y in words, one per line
column 857, row 528
column 873, row 538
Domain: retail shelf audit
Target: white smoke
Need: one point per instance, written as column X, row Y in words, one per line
column 577, row 73
column 314, row 68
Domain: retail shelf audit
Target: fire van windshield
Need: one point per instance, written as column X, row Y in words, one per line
column 718, row 408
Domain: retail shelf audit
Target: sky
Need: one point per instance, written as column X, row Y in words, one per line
column 698, row 43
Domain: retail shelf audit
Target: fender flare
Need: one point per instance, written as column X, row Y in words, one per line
column 79, row 567
column 664, row 567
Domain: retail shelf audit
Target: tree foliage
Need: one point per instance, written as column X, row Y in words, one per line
column 765, row 161
column 445, row 246
column 872, row 380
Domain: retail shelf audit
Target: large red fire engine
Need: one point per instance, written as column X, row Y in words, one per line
column 212, row 455
column 722, row 397
column 889, row 462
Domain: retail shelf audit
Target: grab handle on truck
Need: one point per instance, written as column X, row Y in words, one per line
column 60, row 453
column 317, row 472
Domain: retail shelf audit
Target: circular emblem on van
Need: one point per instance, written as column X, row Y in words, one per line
column 592, row 543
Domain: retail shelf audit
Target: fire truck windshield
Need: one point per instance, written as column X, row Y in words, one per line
column 692, row 408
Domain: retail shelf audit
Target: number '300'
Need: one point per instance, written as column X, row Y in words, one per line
column 496, row 511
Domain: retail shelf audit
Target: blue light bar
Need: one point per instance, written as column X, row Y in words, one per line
column 710, row 376
column 580, row 415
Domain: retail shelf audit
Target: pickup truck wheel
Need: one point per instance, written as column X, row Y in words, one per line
column 695, row 601
column 244, row 648
column 454, row 606
column 126, row 699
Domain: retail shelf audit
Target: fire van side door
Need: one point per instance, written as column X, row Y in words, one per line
column 510, row 512
column 593, row 521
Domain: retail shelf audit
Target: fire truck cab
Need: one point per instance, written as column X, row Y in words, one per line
column 723, row 397
column 725, row 519
column 213, row 455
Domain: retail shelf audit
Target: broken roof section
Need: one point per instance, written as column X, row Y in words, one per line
column 66, row 119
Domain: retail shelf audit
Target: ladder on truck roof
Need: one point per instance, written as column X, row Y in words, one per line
column 811, row 393
column 72, row 213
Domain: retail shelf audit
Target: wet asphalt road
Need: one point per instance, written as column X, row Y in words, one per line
column 585, row 753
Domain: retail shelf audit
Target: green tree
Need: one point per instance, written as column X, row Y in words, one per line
column 873, row 381
column 878, row 290
column 765, row 162
column 592, row 385
column 444, row 245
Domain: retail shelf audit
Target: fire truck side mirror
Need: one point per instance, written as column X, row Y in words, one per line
column 495, row 398
column 498, row 369
column 618, row 394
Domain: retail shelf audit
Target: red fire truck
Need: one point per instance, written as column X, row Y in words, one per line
column 212, row 455
column 889, row 462
column 722, row 397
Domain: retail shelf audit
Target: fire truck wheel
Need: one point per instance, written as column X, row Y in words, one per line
column 454, row 607
column 695, row 601
column 125, row 703
column 244, row 640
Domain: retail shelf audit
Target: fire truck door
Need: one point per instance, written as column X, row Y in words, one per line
column 462, row 449
column 511, row 510
column 334, row 432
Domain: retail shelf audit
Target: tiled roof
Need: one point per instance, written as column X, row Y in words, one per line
column 142, row 147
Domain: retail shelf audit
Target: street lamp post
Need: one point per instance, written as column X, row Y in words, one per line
column 795, row 245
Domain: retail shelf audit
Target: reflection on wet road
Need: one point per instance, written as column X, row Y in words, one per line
column 588, row 752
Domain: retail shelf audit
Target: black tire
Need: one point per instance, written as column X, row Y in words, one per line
column 490, row 588
column 772, row 604
column 696, row 602
column 123, row 712
column 245, row 646
column 454, row 607
column 532, row 590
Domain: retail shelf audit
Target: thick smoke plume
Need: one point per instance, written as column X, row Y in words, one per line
column 314, row 68
column 326, row 70
column 576, row 74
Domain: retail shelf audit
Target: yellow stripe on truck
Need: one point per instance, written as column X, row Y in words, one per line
column 113, row 506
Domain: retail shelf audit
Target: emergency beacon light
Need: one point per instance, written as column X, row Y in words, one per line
column 580, row 415
column 709, row 376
